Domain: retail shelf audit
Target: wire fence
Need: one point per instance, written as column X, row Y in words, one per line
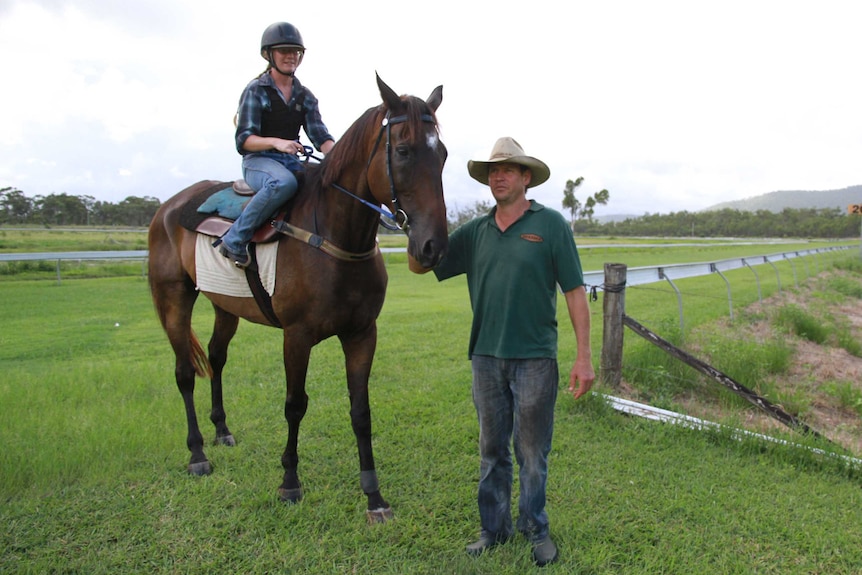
column 814, row 259
column 660, row 380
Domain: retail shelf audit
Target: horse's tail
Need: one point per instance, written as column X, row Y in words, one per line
column 199, row 357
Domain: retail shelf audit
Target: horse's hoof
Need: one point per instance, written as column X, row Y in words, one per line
column 290, row 495
column 200, row 468
column 381, row 515
column 225, row 440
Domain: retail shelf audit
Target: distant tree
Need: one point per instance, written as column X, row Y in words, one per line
column 727, row 222
column 67, row 210
column 459, row 216
column 135, row 211
column 578, row 211
column 602, row 197
column 588, row 210
column 15, row 207
column 570, row 202
column 60, row 210
column 89, row 202
column 104, row 214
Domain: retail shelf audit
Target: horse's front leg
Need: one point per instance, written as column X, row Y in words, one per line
column 296, row 354
column 359, row 355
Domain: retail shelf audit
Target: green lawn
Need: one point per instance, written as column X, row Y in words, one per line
column 93, row 478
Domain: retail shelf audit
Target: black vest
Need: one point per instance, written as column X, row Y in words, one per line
column 280, row 121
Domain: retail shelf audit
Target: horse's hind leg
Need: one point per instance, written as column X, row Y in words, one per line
column 174, row 301
column 224, row 329
column 359, row 354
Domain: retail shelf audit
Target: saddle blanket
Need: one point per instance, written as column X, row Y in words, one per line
column 217, row 274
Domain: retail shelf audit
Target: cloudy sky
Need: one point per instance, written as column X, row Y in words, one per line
column 669, row 104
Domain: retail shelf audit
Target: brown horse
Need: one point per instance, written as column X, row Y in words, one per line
column 391, row 156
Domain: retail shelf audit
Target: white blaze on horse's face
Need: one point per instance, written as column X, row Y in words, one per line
column 431, row 139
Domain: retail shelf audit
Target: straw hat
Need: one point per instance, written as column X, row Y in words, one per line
column 508, row 150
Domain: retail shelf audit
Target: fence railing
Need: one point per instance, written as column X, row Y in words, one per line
column 636, row 276
column 75, row 256
column 78, row 256
column 669, row 273
column 131, row 255
column 652, row 274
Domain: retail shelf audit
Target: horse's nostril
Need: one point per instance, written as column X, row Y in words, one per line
column 432, row 252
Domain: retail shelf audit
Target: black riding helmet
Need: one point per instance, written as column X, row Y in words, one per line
column 280, row 34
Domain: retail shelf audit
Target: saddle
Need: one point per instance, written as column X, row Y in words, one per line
column 213, row 210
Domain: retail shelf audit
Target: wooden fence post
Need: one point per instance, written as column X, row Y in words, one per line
column 614, row 308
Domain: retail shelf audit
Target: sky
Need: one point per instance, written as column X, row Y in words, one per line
column 670, row 105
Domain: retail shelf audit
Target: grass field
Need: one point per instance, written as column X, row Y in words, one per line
column 93, row 478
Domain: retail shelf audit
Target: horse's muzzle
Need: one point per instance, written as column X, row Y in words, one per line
column 428, row 253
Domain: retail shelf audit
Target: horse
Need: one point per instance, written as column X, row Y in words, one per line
column 330, row 278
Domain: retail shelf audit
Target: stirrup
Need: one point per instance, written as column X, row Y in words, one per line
column 238, row 259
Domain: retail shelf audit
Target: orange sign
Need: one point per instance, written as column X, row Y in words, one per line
column 854, row 209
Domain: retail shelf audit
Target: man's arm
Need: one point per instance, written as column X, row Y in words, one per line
column 582, row 375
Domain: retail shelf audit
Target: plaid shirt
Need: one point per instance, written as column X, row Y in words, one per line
column 255, row 100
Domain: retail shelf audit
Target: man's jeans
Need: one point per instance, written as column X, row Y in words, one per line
column 275, row 185
column 514, row 398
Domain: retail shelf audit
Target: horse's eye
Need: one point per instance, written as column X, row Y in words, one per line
column 403, row 150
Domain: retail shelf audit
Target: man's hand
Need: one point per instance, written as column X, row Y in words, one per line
column 581, row 378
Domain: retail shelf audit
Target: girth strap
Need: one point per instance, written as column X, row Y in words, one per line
column 252, row 275
column 323, row 244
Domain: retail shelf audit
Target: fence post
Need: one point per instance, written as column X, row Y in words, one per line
column 714, row 268
column 614, row 308
column 757, row 279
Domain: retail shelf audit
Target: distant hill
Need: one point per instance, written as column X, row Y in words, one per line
column 778, row 201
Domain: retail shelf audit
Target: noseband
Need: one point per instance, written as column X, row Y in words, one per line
column 390, row 221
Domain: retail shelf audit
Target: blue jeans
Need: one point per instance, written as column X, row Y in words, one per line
column 275, row 185
column 514, row 400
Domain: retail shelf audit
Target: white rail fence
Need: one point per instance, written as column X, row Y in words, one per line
column 636, row 276
column 77, row 256
column 815, row 257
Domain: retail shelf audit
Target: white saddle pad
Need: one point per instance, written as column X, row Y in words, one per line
column 218, row 274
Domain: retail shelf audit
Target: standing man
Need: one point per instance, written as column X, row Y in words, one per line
column 516, row 257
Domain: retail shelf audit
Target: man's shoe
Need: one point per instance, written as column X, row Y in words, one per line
column 544, row 551
column 239, row 260
column 486, row 541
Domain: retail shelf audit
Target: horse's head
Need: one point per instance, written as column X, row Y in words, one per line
column 406, row 168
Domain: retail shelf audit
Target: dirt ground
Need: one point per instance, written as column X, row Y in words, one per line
column 813, row 374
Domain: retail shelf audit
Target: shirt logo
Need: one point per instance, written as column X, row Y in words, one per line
column 532, row 238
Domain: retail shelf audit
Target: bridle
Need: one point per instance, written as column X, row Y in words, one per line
column 399, row 219
column 394, row 222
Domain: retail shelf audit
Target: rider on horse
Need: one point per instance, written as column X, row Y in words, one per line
column 271, row 111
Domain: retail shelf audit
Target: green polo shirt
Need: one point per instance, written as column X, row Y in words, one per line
column 513, row 277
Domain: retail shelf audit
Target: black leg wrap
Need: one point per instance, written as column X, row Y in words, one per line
column 368, row 481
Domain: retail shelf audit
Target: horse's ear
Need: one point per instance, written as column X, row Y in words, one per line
column 390, row 98
column 435, row 98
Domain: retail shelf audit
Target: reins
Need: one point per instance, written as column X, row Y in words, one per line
column 387, row 220
column 398, row 221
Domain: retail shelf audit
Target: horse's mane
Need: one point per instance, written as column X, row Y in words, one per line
column 366, row 128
